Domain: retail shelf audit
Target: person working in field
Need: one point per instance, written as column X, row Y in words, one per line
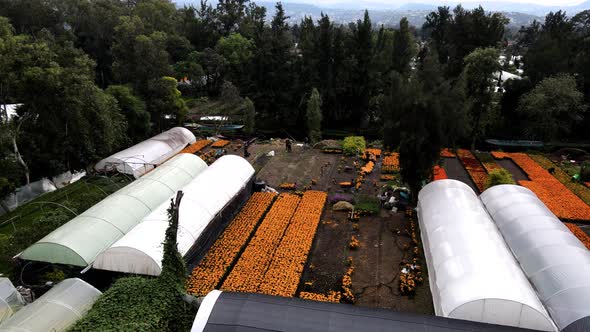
column 288, row 145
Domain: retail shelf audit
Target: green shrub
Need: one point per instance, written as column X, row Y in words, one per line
column 353, row 145
column 499, row 176
column 368, row 203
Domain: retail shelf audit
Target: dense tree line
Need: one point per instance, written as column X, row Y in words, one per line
column 96, row 75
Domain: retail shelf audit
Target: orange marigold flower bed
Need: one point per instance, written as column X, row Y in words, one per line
column 439, row 173
column 387, row 177
column 221, row 143
column 368, row 168
column 390, row 163
column 558, row 198
column 332, row 296
column 374, row 152
column 216, row 264
column 447, row 153
column 284, row 272
column 583, row 237
column 345, row 184
column 196, row 146
column 476, row 171
column 250, row 268
column 288, row 186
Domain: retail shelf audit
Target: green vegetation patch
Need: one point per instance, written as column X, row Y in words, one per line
column 353, row 145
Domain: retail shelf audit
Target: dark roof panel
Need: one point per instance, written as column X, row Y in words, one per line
column 241, row 312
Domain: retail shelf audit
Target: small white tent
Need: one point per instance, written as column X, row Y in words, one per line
column 205, row 197
column 143, row 157
column 56, row 310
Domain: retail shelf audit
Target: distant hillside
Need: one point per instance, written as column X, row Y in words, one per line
column 416, row 17
column 390, row 14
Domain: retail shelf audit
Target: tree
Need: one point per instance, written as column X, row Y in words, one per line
column 173, row 266
column 420, row 139
column 165, row 104
column 497, row 177
column 314, row 116
column 481, row 64
column 236, row 49
column 403, row 48
column 230, row 94
column 249, row 117
column 552, row 108
column 134, row 110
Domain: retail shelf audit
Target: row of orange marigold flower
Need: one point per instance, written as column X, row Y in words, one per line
column 284, row 272
column 249, row 271
column 558, row 198
column 216, row 264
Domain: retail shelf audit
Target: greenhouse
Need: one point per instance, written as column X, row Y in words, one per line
column 80, row 240
column 10, row 299
column 554, row 260
column 56, row 310
column 225, row 312
column 143, row 157
column 209, row 200
column 472, row 273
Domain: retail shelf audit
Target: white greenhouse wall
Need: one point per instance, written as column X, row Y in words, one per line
column 143, row 157
column 472, row 273
column 141, row 250
column 554, row 260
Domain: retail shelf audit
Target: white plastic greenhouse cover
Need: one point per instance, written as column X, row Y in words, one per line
column 473, row 275
column 80, row 240
column 555, row 261
column 56, row 310
column 141, row 250
column 10, row 299
column 142, row 157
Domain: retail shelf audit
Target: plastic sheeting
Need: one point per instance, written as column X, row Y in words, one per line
column 56, row 310
column 143, row 157
column 80, row 240
column 10, row 299
column 472, row 273
column 554, row 260
column 243, row 312
column 141, row 250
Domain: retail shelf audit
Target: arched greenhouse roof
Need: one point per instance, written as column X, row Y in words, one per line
column 554, row 260
column 10, row 299
column 80, row 240
column 56, row 310
column 472, row 273
column 243, row 312
column 141, row 250
column 143, row 157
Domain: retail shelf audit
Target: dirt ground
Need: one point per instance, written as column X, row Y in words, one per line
column 456, row 171
column 376, row 261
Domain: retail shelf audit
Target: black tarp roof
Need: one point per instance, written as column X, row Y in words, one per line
column 242, row 312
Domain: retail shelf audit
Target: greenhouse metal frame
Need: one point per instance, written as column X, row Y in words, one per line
column 80, row 240
column 472, row 273
column 205, row 199
column 145, row 156
column 56, row 310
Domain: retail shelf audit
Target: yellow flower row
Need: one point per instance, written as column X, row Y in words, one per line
column 196, row 146
column 284, row 272
column 249, row 271
column 207, row 275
